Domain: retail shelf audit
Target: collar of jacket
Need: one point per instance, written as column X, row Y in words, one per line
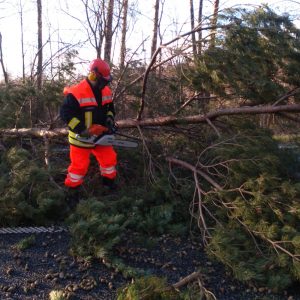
column 85, row 96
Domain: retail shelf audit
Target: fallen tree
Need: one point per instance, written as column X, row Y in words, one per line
column 162, row 121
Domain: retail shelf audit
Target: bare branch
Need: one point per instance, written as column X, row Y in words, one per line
column 287, row 95
column 195, row 170
column 187, row 102
column 195, row 119
column 213, row 127
column 153, row 59
column 184, row 281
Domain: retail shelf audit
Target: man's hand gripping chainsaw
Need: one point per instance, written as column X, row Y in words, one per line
column 100, row 135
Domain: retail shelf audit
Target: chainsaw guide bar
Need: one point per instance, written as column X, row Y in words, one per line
column 107, row 140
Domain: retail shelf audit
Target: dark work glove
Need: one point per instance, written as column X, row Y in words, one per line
column 110, row 124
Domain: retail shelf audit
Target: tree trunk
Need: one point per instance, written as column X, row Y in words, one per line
column 164, row 120
column 40, row 46
column 200, row 16
column 192, row 27
column 22, row 40
column 123, row 37
column 155, row 28
column 2, row 62
column 108, row 31
column 214, row 21
column 122, row 103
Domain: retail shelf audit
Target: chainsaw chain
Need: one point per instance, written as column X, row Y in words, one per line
column 41, row 229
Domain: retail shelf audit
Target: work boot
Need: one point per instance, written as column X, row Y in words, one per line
column 109, row 185
column 73, row 197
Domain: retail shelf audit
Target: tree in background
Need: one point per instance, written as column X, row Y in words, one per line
column 39, row 70
column 2, row 62
column 123, row 34
column 192, row 27
column 108, row 31
column 5, row 75
column 200, row 20
column 22, row 39
column 95, row 20
column 155, row 27
column 214, row 21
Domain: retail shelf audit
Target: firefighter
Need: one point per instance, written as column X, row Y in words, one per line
column 86, row 109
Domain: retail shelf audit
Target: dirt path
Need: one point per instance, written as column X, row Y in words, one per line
column 46, row 265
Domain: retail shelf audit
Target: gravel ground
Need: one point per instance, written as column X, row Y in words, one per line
column 46, row 265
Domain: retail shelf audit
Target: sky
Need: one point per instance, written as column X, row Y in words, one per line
column 60, row 22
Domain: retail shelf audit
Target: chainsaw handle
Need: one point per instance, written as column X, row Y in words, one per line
column 97, row 129
column 113, row 129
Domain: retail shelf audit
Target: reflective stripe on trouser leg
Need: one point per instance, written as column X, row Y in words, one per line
column 108, row 172
column 73, row 180
column 107, row 159
column 80, row 160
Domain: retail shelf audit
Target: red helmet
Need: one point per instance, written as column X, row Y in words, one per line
column 100, row 67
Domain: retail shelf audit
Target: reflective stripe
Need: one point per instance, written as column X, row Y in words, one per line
column 75, row 142
column 87, row 101
column 75, row 177
column 104, row 98
column 85, row 97
column 88, row 119
column 73, row 123
column 72, row 134
column 80, row 144
column 108, row 170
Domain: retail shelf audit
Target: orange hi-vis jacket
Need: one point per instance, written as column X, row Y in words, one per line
column 92, row 112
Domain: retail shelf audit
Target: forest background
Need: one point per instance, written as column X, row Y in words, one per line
column 213, row 102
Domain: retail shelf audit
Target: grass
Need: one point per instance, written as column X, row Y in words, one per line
column 287, row 138
column 25, row 243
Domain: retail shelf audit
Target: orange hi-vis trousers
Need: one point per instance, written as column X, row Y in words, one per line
column 80, row 161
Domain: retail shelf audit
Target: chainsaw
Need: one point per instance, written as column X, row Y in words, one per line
column 107, row 139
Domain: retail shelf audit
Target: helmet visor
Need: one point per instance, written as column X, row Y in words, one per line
column 107, row 78
column 99, row 76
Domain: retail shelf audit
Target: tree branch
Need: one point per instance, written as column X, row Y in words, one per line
column 195, row 119
column 164, row 121
column 194, row 170
column 153, row 59
column 187, row 280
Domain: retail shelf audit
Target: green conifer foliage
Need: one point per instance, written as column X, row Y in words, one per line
column 98, row 224
column 257, row 235
column 257, row 57
column 27, row 195
column 148, row 288
column 19, row 99
column 256, row 60
column 95, row 228
column 15, row 104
